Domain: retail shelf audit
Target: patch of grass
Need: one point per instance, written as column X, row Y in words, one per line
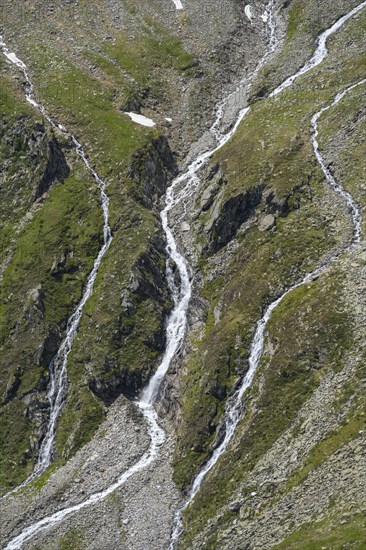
column 264, row 264
column 69, row 226
column 18, row 177
column 140, row 55
column 323, row 450
column 80, row 421
column 305, row 23
column 349, row 167
column 73, row 539
column 333, row 533
column 66, row 224
column 295, row 18
column 115, row 349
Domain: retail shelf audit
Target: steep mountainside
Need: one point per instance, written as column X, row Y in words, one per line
column 88, row 64
column 268, row 186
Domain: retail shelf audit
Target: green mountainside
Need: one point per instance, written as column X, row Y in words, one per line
column 261, row 217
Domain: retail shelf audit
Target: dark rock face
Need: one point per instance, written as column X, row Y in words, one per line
column 226, row 219
column 234, row 212
column 56, row 168
column 147, row 287
column 12, row 387
column 124, row 382
column 145, row 303
column 38, row 157
column 150, row 169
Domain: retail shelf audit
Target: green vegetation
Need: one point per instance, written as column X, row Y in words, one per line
column 323, row 450
column 72, row 539
column 296, row 16
column 351, row 169
column 310, row 332
column 69, row 223
column 221, row 356
column 82, row 102
column 17, row 181
column 116, row 349
column 36, row 300
column 306, row 337
column 139, row 55
column 269, row 148
column 335, row 532
column 306, row 20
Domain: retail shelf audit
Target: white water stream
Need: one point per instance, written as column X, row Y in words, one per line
column 234, row 405
column 182, row 187
column 321, row 51
column 58, row 371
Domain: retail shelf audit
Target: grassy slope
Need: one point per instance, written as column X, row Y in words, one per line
column 305, row 21
column 112, row 139
column 70, row 220
column 305, row 344
column 11, row 109
column 334, row 532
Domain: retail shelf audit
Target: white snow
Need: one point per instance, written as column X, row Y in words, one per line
column 248, row 12
column 178, row 4
column 141, row 119
column 264, row 17
column 168, row 119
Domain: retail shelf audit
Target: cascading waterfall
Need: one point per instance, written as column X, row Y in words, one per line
column 234, row 405
column 183, row 187
column 321, row 51
column 58, row 368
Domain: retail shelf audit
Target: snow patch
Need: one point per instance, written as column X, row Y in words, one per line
column 248, row 12
column 264, row 17
column 178, row 4
column 140, row 119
